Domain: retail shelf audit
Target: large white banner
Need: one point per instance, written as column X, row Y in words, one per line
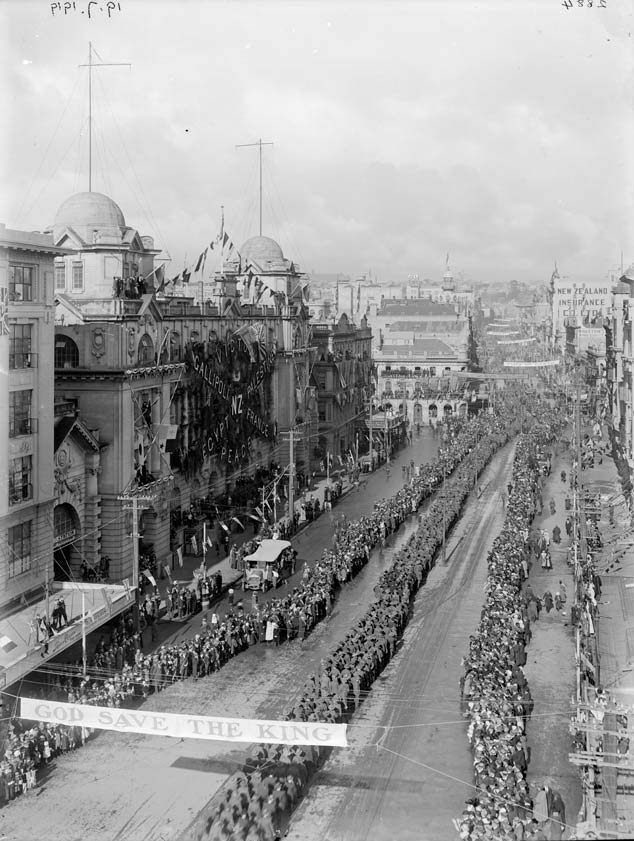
column 543, row 364
column 185, row 726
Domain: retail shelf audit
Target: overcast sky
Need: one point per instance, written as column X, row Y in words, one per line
column 500, row 132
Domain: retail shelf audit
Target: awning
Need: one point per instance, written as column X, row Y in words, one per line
column 20, row 651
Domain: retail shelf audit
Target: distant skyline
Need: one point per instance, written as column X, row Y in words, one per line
column 501, row 133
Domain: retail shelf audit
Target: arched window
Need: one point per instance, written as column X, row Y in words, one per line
column 433, row 410
column 66, row 352
column 146, row 350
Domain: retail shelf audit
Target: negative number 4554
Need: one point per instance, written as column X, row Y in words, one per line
column 600, row 4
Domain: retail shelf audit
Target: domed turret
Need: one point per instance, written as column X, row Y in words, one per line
column 263, row 251
column 86, row 213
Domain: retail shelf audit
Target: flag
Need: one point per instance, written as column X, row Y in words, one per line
column 168, row 571
column 194, row 543
column 166, row 436
column 235, row 520
column 186, row 275
column 23, row 601
column 260, row 512
column 225, row 527
column 149, row 577
column 225, row 239
column 210, row 542
column 160, row 277
column 179, row 555
column 200, row 261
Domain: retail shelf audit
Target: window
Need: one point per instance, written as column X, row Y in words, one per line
column 146, row 350
column 21, row 282
column 20, row 346
column 20, row 413
column 78, row 277
column 60, row 276
column 66, row 352
column 20, row 473
column 19, row 549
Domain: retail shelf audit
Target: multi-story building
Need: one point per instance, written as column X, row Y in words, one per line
column 49, row 500
column 26, row 403
column 190, row 398
column 576, row 303
column 342, row 375
column 421, row 344
column 620, row 364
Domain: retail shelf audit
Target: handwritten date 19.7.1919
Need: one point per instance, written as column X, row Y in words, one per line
column 91, row 8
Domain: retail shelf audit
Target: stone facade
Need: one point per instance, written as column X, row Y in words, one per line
column 26, row 404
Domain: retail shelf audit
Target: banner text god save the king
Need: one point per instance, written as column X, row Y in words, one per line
column 185, row 726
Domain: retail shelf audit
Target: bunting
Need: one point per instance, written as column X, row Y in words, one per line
column 201, row 261
column 179, row 555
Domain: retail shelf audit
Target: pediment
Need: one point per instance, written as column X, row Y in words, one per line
column 69, row 238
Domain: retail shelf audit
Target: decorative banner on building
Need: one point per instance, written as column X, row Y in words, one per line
column 544, row 363
column 183, row 726
column 502, row 333
column 516, row 341
column 234, row 373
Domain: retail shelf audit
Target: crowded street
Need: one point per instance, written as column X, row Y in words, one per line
column 317, row 425
column 162, row 784
column 409, row 763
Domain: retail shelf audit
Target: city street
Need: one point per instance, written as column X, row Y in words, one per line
column 409, row 767
column 136, row 787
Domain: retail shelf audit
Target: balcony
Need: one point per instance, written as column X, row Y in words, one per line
column 22, row 426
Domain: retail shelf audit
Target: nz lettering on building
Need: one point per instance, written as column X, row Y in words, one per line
column 237, row 408
column 583, row 302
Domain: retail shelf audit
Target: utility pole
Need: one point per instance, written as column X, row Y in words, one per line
column 90, row 66
column 260, row 144
column 371, row 442
column 444, row 513
column 291, row 473
column 135, row 502
column 387, row 453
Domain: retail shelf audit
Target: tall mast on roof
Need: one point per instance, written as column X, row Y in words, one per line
column 260, row 144
column 90, row 66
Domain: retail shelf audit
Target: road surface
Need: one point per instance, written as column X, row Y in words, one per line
column 409, row 768
column 127, row 787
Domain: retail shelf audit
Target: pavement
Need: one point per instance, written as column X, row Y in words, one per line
column 311, row 534
column 142, row 788
column 409, row 767
column 550, row 667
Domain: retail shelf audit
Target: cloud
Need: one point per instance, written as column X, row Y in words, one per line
column 403, row 132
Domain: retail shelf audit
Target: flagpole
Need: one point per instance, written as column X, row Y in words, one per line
column 222, row 233
column 83, row 631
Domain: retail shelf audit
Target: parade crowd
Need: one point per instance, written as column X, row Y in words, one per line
column 256, row 803
column 121, row 674
column 494, row 688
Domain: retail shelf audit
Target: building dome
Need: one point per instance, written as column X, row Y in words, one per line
column 261, row 250
column 88, row 212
